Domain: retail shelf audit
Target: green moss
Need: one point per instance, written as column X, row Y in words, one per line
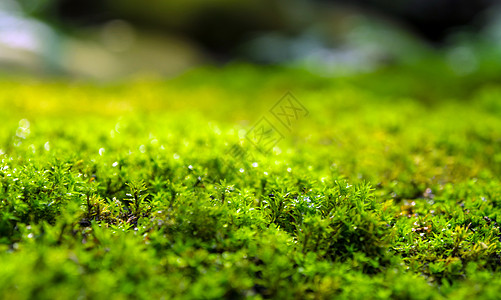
column 151, row 188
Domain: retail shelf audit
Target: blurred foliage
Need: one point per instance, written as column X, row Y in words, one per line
column 124, row 39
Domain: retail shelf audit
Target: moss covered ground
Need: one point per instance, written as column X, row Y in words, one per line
column 248, row 182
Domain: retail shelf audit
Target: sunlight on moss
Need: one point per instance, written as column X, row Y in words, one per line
column 156, row 189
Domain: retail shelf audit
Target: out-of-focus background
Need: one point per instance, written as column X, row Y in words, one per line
column 116, row 39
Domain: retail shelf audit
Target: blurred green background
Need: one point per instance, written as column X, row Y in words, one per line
column 115, row 39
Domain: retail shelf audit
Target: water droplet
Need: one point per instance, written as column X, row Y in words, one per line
column 265, row 173
column 176, row 156
column 47, row 146
column 190, row 167
column 289, row 170
column 22, row 132
column 101, row 151
column 255, row 165
column 142, row 148
column 241, row 170
column 24, row 123
column 115, row 164
column 216, row 130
